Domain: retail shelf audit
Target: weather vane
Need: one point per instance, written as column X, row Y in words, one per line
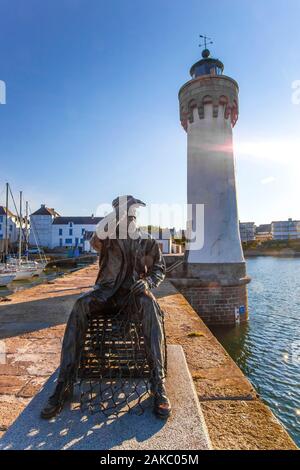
column 206, row 40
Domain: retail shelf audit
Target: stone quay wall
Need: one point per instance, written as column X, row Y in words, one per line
column 218, row 305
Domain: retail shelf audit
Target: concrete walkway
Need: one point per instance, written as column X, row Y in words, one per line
column 32, row 324
column 73, row 429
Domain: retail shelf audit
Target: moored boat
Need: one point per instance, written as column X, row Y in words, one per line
column 24, row 272
column 25, row 269
column 20, row 267
column 6, row 278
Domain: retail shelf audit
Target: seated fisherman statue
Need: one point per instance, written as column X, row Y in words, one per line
column 130, row 265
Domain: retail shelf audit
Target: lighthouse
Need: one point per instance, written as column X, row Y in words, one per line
column 213, row 277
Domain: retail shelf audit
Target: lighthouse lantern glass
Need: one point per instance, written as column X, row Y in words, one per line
column 207, row 67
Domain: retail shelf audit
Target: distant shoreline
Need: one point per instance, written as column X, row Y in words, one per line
column 288, row 253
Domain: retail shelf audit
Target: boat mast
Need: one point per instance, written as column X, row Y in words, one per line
column 26, row 231
column 20, row 230
column 6, row 227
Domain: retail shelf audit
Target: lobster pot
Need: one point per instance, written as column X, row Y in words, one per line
column 114, row 369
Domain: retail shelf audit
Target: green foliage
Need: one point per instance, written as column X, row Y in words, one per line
column 195, row 334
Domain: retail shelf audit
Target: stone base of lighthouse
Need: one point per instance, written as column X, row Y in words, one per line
column 217, row 292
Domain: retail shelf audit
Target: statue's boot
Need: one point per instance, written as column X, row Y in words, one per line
column 56, row 401
column 162, row 406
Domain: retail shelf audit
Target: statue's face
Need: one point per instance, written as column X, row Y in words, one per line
column 132, row 211
column 126, row 218
column 131, row 219
column 131, row 227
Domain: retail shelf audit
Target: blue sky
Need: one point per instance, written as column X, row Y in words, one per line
column 92, row 107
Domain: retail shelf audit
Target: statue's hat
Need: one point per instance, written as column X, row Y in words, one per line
column 127, row 201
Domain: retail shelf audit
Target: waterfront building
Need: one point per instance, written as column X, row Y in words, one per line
column 213, row 277
column 70, row 232
column 41, row 226
column 54, row 231
column 13, row 225
column 263, row 233
column 286, row 229
column 247, row 231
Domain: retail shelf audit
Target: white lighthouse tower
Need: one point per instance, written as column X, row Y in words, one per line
column 214, row 273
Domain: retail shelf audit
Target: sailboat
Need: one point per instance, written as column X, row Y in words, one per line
column 38, row 265
column 24, row 268
column 20, row 268
column 6, row 278
column 7, row 274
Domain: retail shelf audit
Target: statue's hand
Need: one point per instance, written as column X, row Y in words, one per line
column 139, row 287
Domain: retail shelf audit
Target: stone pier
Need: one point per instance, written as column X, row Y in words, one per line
column 32, row 323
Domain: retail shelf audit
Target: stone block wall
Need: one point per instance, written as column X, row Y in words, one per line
column 218, row 305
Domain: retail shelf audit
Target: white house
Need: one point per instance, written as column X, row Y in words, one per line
column 285, row 229
column 12, row 223
column 69, row 231
column 41, row 226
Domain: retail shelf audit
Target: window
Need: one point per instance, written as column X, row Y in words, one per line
column 82, row 231
column 1, row 218
column 81, row 241
column 10, row 228
column 60, row 231
column 70, row 231
column 68, row 241
column 60, row 242
column 71, row 224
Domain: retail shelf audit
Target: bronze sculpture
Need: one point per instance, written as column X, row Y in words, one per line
column 130, row 265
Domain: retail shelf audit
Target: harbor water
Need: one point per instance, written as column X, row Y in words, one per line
column 267, row 349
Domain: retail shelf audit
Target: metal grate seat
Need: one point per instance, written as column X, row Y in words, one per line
column 114, row 371
column 114, row 348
